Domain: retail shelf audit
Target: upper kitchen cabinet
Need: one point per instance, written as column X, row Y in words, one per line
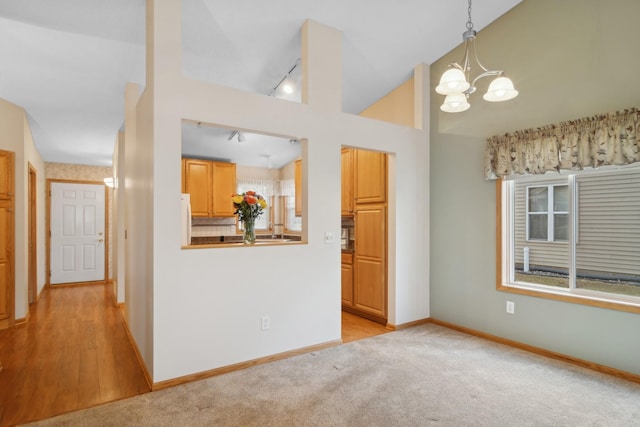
column 347, row 181
column 370, row 177
column 211, row 185
column 198, row 183
column 224, row 186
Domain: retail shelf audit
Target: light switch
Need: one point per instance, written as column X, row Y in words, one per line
column 329, row 237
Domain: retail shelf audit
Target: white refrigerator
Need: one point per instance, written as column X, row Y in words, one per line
column 185, row 223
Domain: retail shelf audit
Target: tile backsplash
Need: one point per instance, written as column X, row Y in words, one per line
column 202, row 227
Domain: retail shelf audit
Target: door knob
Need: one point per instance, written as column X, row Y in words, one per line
column 101, row 240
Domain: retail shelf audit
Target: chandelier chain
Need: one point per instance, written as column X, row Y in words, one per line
column 469, row 23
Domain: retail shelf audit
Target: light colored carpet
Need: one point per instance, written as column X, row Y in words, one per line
column 422, row 376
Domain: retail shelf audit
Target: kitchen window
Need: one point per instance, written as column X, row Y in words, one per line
column 573, row 236
column 264, row 188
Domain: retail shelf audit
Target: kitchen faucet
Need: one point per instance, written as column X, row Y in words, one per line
column 273, row 232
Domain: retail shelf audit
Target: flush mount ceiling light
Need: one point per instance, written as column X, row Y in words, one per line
column 454, row 82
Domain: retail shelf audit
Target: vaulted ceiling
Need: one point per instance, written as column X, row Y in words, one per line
column 66, row 62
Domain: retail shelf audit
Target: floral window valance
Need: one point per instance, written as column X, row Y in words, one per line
column 608, row 139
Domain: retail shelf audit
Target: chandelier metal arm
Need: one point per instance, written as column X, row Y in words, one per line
column 472, row 88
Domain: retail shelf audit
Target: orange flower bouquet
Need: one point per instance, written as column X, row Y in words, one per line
column 249, row 206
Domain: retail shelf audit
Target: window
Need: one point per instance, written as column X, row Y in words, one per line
column 264, row 188
column 573, row 236
column 547, row 213
column 292, row 223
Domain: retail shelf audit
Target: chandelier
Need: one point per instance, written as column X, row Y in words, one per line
column 454, row 82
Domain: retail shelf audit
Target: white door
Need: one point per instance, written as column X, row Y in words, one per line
column 77, row 232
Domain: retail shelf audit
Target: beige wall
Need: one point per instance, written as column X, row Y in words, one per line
column 128, row 137
column 569, row 59
column 395, row 107
column 181, row 296
column 15, row 136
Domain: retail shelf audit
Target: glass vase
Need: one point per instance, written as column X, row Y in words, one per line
column 249, row 232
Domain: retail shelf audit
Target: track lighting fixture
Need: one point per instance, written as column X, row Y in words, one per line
column 287, row 84
column 241, row 136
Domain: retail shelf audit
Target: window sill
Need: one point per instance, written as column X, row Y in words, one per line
column 590, row 298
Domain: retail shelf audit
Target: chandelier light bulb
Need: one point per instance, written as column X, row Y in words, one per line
column 455, row 103
column 500, row 89
column 452, row 81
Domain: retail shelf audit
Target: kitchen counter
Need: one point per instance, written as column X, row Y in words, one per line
column 261, row 239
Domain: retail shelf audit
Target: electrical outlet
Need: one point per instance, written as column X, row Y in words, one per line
column 511, row 307
column 266, row 323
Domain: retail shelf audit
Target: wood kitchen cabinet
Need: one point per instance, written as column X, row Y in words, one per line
column 224, row 186
column 298, row 186
column 370, row 260
column 347, row 155
column 370, row 183
column 364, row 196
column 347, row 279
column 211, row 185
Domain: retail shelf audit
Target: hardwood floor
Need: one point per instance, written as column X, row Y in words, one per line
column 73, row 353
column 356, row 328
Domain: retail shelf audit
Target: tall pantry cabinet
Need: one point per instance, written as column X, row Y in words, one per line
column 369, row 285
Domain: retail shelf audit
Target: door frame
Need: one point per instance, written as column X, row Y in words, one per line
column 32, row 237
column 106, row 230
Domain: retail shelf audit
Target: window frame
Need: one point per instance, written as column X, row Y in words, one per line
column 505, row 277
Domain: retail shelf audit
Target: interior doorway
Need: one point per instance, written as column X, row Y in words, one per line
column 356, row 328
column 364, row 257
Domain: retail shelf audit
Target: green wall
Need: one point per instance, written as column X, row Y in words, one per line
column 568, row 59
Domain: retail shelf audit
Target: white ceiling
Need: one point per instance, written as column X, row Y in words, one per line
column 66, row 62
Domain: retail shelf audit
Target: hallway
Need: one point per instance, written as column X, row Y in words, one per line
column 73, row 353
